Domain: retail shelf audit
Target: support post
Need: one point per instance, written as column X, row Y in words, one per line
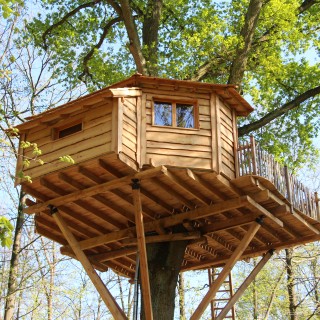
column 254, row 155
column 245, row 285
column 316, row 199
column 255, row 226
column 289, row 188
column 108, row 299
column 142, row 251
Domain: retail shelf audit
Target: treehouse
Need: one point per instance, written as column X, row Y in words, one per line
column 146, row 155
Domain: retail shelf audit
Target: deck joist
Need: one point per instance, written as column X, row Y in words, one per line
column 97, row 203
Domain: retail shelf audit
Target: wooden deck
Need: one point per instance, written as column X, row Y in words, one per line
column 253, row 160
column 96, row 200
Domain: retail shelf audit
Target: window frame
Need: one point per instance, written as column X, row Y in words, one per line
column 57, row 130
column 174, row 103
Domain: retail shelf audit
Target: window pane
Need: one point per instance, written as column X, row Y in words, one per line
column 162, row 114
column 185, row 116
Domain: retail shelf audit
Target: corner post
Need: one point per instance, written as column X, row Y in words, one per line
column 108, row 299
column 289, row 187
column 142, row 250
column 253, row 155
column 316, row 199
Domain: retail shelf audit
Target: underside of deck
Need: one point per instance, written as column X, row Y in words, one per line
column 96, row 201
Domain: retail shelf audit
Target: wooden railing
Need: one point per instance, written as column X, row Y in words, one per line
column 253, row 160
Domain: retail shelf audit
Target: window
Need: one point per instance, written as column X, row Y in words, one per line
column 175, row 114
column 67, row 130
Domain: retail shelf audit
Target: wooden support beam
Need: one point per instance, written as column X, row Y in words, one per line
column 197, row 195
column 96, row 280
column 164, row 238
column 245, row 285
column 256, row 207
column 113, row 254
column 91, row 191
column 174, row 193
column 255, row 226
column 306, row 223
column 143, row 192
column 142, row 251
column 167, row 222
column 227, row 224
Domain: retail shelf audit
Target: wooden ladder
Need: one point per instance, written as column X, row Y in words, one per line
column 223, row 295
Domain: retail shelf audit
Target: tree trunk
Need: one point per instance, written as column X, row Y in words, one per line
column 290, row 285
column 13, row 273
column 164, row 263
column 239, row 64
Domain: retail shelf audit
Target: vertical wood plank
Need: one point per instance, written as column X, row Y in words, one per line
column 218, row 130
column 96, row 280
column 214, row 139
column 253, row 153
column 142, row 251
column 143, row 140
column 116, row 136
column 138, row 113
column 235, row 143
column 226, row 270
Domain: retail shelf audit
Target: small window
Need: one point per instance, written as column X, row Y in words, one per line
column 68, row 130
column 175, row 114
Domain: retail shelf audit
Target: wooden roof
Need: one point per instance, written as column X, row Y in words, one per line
column 228, row 92
column 95, row 199
column 132, row 87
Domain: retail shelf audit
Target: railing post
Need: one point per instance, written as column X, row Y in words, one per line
column 253, row 154
column 316, row 199
column 288, row 186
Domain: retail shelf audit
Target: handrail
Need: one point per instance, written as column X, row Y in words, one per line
column 256, row 161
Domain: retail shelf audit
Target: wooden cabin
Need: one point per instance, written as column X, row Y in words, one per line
column 143, row 120
column 149, row 154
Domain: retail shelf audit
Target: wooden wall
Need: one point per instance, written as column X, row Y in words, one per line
column 129, row 128
column 92, row 141
column 177, row 146
column 123, row 125
column 228, row 140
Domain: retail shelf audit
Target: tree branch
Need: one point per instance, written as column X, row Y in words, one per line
column 306, row 5
column 89, row 55
column 150, row 32
column 65, row 18
column 134, row 43
column 239, row 63
column 278, row 112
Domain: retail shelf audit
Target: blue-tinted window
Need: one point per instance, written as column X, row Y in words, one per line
column 174, row 114
column 162, row 114
column 185, row 115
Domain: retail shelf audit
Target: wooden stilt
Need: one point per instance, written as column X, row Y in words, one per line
column 245, row 285
column 142, row 251
column 226, row 270
column 110, row 302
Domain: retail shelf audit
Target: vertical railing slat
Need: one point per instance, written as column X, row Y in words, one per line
column 254, row 160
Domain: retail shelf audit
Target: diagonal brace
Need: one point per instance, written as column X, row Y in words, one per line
column 96, row 280
column 255, row 226
column 245, row 285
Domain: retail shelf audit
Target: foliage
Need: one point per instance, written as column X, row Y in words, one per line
column 6, row 229
column 199, row 40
